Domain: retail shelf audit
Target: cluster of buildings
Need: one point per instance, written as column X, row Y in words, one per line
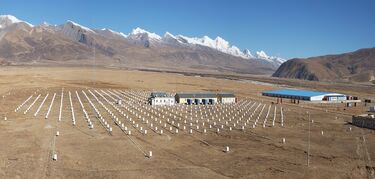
column 295, row 95
column 210, row 98
column 192, row 98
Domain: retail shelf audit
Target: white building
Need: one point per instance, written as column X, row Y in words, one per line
column 197, row 98
column 205, row 98
column 297, row 94
column 159, row 98
column 226, row 98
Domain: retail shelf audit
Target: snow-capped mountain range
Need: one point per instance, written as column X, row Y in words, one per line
column 7, row 20
column 145, row 39
column 219, row 44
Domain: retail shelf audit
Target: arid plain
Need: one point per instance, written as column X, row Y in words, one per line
column 336, row 149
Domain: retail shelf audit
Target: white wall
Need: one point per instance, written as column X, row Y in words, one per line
column 320, row 98
column 163, row 101
column 228, row 100
column 317, row 98
column 184, row 100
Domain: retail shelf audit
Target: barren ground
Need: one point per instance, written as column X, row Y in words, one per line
column 27, row 141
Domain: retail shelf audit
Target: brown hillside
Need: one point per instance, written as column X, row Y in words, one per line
column 355, row 66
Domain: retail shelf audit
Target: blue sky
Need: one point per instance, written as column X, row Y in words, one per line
column 286, row 28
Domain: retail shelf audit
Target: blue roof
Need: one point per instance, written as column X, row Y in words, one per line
column 293, row 92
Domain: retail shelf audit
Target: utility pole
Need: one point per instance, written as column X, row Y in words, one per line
column 308, row 145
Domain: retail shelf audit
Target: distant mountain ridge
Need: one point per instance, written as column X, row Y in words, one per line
column 354, row 66
column 23, row 42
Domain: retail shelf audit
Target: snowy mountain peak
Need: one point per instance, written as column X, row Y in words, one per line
column 207, row 38
column 143, row 37
column 218, row 43
column 262, row 55
column 171, row 39
column 221, row 40
column 139, row 36
column 76, row 32
column 110, row 33
column 141, row 32
column 247, row 53
column 138, row 31
column 78, row 26
column 7, row 20
column 45, row 24
column 167, row 34
column 10, row 18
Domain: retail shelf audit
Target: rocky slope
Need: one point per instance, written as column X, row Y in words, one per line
column 354, row 66
column 74, row 44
